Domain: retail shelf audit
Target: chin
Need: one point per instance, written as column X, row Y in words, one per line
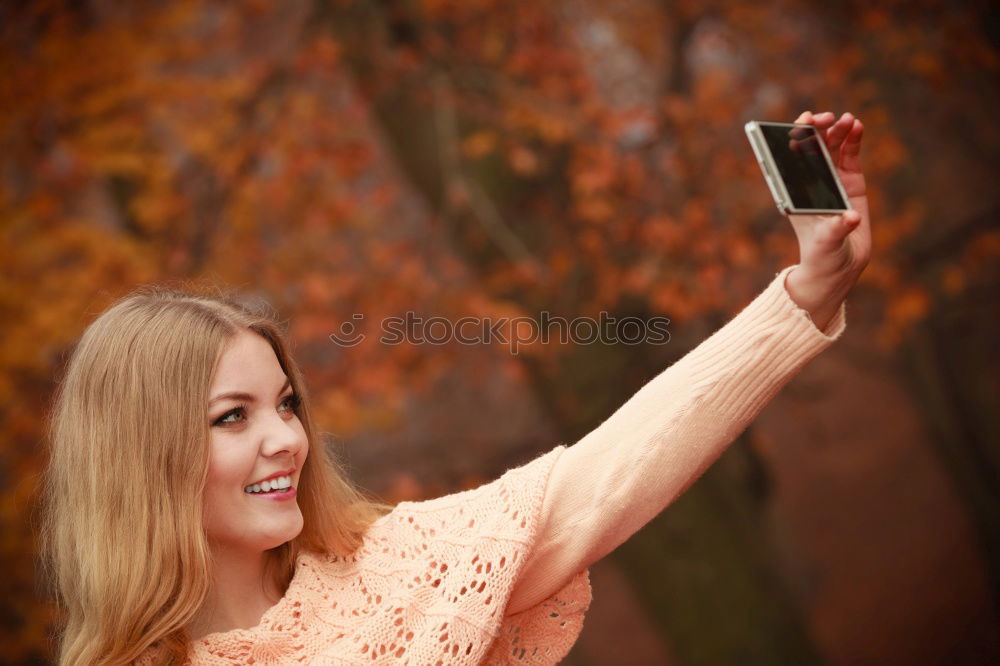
column 289, row 534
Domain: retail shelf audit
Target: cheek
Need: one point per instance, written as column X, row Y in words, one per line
column 225, row 474
column 303, row 452
column 215, row 487
column 226, row 467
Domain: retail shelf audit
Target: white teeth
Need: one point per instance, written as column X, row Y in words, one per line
column 279, row 483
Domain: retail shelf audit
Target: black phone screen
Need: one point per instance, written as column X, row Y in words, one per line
column 803, row 167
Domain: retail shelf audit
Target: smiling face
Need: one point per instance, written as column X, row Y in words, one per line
column 255, row 435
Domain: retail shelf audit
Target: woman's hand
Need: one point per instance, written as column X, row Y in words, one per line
column 833, row 249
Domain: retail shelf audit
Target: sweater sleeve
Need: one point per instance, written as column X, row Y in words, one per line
column 632, row 466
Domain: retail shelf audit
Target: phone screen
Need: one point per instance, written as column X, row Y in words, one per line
column 803, row 167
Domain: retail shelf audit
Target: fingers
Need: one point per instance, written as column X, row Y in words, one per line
column 852, row 146
column 838, row 132
column 820, row 120
column 842, row 135
column 827, row 120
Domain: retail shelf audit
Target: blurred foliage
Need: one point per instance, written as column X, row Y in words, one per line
column 458, row 157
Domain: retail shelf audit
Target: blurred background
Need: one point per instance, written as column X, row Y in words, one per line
column 487, row 158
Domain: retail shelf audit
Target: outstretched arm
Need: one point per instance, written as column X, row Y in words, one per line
column 617, row 478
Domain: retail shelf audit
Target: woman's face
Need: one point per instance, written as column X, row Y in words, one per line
column 255, row 436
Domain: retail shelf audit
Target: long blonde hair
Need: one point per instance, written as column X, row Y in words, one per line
column 122, row 538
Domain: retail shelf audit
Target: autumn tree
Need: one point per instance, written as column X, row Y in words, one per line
column 488, row 159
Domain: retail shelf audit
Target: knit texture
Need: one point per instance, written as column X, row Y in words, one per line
column 429, row 585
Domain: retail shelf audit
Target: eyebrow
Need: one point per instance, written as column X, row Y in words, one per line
column 246, row 397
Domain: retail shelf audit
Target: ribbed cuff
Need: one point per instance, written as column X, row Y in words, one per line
column 749, row 359
column 835, row 326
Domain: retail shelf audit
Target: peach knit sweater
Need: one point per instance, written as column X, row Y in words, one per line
column 498, row 574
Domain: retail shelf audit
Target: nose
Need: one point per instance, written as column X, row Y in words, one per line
column 282, row 435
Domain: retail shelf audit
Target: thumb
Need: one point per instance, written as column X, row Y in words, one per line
column 844, row 225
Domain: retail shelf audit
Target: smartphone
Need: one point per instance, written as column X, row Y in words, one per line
column 797, row 168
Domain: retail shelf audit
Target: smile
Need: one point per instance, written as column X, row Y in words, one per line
column 276, row 495
column 280, row 483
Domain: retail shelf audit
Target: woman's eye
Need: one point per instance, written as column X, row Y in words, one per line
column 292, row 401
column 225, row 418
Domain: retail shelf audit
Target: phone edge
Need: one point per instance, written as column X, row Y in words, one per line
column 767, row 167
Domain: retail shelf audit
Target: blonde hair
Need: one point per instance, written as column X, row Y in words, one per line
column 122, row 537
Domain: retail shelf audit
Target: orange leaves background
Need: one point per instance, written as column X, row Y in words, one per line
column 455, row 159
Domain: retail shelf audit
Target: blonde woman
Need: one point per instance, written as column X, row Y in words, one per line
column 194, row 517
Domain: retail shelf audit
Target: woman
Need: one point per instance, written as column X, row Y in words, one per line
column 192, row 517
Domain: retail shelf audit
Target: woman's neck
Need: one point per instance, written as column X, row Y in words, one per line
column 239, row 594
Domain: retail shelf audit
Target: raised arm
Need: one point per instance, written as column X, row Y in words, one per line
column 617, row 478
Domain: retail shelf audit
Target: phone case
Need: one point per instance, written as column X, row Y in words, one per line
column 773, row 177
